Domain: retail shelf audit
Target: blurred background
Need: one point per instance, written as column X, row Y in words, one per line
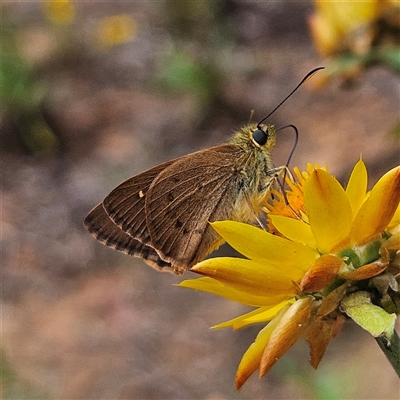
column 96, row 92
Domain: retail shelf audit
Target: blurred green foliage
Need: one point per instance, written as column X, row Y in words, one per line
column 201, row 32
column 182, row 73
column 19, row 89
column 12, row 387
column 21, row 96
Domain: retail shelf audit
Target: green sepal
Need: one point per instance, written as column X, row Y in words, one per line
column 374, row 319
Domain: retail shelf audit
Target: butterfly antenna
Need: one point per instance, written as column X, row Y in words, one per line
column 296, row 141
column 309, row 75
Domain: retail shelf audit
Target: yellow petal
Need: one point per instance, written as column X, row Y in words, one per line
column 357, row 186
column 328, row 210
column 238, row 322
column 347, row 16
column 267, row 313
column 288, row 330
column 395, row 222
column 330, row 302
column 326, row 37
column 256, row 244
column 249, row 276
column 393, row 243
column 206, row 284
column 262, row 314
column 251, row 359
column 321, row 273
column 377, row 211
column 319, row 334
column 366, row 271
column 294, row 229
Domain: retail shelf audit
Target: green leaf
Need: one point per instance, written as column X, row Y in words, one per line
column 374, row 319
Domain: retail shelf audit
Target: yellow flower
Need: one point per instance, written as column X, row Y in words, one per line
column 115, row 30
column 355, row 35
column 337, row 26
column 327, row 241
column 61, row 12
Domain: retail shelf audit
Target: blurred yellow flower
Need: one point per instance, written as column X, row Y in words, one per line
column 61, row 12
column 355, row 35
column 342, row 25
column 115, row 30
column 336, row 24
column 328, row 240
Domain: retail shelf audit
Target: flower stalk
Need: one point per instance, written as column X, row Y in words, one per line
column 391, row 348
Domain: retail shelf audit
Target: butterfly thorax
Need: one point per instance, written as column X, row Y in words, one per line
column 257, row 169
column 255, row 159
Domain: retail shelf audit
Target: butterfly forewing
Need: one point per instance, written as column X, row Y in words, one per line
column 179, row 229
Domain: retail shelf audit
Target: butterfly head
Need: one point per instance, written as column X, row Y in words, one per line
column 252, row 137
column 263, row 136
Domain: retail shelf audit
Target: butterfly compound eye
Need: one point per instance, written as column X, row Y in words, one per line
column 260, row 137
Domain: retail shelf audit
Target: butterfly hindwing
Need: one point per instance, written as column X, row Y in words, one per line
column 125, row 204
column 179, row 229
column 155, row 215
column 106, row 231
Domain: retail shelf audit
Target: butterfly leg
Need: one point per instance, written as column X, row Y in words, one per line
column 281, row 185
column 254, row 212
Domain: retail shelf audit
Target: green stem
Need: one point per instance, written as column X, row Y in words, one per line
column 391, row 349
